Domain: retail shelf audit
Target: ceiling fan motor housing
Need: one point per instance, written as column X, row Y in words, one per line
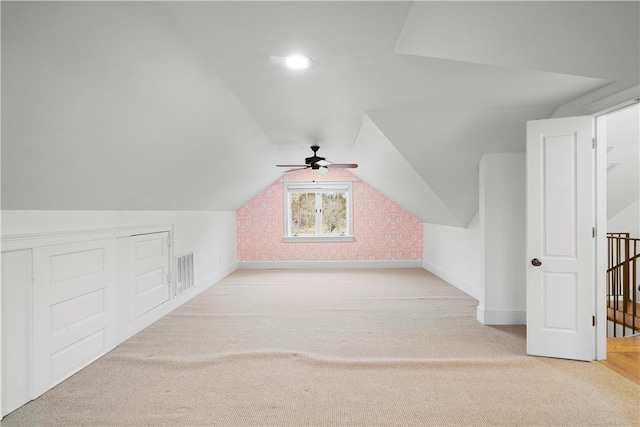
column 315, row 158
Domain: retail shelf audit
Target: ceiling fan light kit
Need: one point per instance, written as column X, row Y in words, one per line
column 298, row 62
column 318, row 163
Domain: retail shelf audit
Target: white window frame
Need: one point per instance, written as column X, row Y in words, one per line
column 318, row 187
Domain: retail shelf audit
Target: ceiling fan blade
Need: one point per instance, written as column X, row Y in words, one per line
column 342, row 165
column 296, row 169
column 318, row 163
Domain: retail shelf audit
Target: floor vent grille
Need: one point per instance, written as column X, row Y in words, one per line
column 184, row 273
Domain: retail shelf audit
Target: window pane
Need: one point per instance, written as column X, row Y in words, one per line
column 303, row 213
column 334, row 213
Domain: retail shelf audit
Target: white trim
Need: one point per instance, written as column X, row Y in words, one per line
column 249, row 265
column 303, row 186
column 307, row 239
column 600, row 310
column 599, row 109
column 466, row 287
column 317, row 187
column 501, row 317
column 616, row 101
column 32, row 240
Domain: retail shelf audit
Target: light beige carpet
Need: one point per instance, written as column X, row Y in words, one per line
column 347, row 347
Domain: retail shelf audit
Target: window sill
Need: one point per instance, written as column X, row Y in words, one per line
column 308, row 239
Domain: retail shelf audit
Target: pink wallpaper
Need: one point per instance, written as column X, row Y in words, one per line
column 382, row 230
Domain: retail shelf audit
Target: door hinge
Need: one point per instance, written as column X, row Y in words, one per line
column 593, row 320
column 168, row 277
column 593, row 143
column 169, row 241
column 593, row 232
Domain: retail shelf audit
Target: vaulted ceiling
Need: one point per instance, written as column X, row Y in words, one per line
column 180, row 105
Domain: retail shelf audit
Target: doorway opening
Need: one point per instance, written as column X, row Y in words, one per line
column 621, row 129
column 619, row 161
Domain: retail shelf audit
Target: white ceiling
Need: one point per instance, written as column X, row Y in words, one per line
column 177, row 105
column 575, row 38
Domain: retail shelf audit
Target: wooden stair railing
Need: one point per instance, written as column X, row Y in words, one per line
column 623, row 277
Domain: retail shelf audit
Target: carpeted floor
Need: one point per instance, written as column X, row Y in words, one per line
column 347, row 347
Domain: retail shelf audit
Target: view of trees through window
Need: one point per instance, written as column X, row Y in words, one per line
column 303, row 213
column 334, row 213
column 310, row 210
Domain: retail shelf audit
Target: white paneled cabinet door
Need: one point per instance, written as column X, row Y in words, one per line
column 560, row 243
column 73, row 308
column 149, row 272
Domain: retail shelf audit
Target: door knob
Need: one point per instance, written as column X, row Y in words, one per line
column 536, row 262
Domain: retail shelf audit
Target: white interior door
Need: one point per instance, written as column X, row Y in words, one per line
column 149, row 266
column 560, row 241
column 73, row 308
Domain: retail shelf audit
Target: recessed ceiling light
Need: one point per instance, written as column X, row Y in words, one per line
column 298, row 62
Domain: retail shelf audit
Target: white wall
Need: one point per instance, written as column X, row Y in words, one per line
column 211, row 235
column 487, row 258
column 456, row 255
column 502, row 221
column 627, row 221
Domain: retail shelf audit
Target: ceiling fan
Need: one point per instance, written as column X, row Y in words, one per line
column 318, row 163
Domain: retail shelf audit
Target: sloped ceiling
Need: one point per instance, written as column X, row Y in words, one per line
column 179, row 105
column 576, row 38
column 623, row 159
column 453, row 154
column 103, row 107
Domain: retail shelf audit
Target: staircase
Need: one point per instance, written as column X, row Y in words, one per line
column 625, row 316
column 623, row 279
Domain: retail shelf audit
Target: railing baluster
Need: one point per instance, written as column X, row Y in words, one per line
column 634, row 286
column 622, row 282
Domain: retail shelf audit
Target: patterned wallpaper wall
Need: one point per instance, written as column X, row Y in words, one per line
column 382, row 230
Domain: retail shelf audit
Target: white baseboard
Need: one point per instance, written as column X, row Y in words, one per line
column 329, row 264
column 222, row 274
column 501, row 317
column 466, row 287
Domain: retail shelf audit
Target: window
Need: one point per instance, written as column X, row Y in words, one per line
column 318, row 211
